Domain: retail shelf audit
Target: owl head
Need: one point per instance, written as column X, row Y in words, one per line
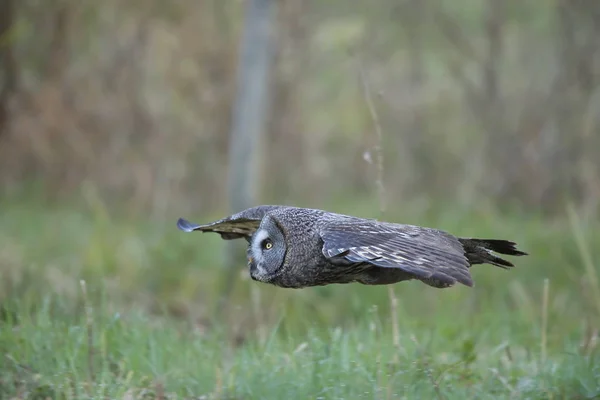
column 266, row 250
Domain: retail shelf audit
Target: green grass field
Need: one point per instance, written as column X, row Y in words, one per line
column 145, row 322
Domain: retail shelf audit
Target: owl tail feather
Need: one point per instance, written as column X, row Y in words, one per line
column 481, row 251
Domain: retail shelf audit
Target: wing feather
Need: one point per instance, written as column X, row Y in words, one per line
column 423, row 252
column 229, row 228
column 240, row 225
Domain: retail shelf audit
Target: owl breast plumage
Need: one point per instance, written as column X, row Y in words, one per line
column 301, row 247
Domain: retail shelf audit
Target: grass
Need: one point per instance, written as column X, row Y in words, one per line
column 133, row 355
column 143, row 322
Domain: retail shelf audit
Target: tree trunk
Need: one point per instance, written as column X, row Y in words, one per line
column 249, row 116
column 8, row 65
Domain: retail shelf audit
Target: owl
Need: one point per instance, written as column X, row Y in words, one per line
column 295, row 247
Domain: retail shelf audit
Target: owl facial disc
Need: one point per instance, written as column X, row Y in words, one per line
column 256, row 259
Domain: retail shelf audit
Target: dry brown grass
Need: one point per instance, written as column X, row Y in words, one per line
column 478, row 106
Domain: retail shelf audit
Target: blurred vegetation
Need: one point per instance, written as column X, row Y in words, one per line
column 114, row 121
column 145, row 323
column 479, row 100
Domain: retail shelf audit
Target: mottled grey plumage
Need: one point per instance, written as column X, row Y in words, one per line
column 300, row 247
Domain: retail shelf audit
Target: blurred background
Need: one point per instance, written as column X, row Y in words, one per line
column 118, row 117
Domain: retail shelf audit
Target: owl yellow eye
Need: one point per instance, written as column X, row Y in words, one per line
column 268, row 244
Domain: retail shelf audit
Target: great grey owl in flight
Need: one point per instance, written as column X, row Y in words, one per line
column 299, row 247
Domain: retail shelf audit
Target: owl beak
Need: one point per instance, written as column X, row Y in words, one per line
column 252, row 268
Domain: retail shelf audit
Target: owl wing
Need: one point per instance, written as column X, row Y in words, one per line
column 228, row 228
column 423, row 252
column 240, row 225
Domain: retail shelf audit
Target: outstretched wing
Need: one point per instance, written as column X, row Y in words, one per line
column 428, row 254
column 228, row 228
column 240, row 225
